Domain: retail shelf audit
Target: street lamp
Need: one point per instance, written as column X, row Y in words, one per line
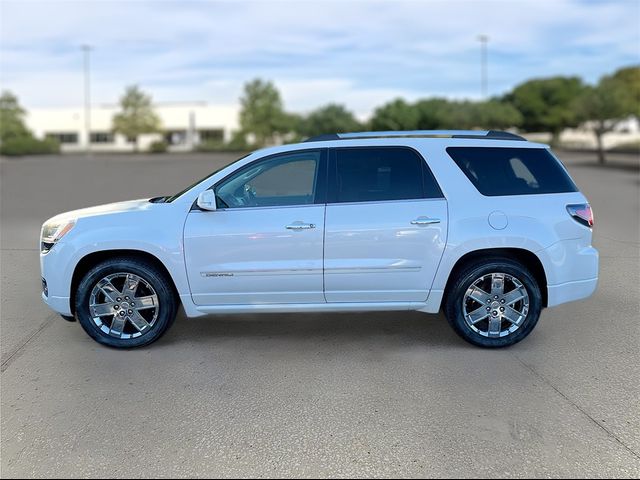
column 86, row 49
column 483, row 39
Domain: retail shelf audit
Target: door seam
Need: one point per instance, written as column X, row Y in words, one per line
column 324, row 243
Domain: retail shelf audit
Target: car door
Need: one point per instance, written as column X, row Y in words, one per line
column 385, row 226
column 264, row 242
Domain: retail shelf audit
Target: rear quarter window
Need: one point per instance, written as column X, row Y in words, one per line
column 498, row 171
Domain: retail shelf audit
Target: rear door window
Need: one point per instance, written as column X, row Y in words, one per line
column 512, row 171
column 370, row 174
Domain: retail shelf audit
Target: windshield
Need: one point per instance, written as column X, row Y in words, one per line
column 182, row 192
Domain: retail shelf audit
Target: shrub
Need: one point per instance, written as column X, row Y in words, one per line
column 28, row 145
column 220, row 146
column 159, row 146
column 210, row 146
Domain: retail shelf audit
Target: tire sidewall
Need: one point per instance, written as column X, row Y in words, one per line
column 166, row 301
column 455, row 314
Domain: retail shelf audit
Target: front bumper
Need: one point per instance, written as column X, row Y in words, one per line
column 54, row 269
column 61, row 305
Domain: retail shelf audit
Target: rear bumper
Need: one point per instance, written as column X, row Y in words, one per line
column 570, row 291
column 571, row 267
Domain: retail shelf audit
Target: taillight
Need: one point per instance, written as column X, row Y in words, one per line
column 581, row 213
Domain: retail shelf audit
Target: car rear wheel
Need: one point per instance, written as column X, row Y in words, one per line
column 125, row 303
column 494, row 303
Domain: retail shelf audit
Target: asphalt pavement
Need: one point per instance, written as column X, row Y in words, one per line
column 314, row 395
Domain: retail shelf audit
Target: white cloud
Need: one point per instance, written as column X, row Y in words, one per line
column 356, row 53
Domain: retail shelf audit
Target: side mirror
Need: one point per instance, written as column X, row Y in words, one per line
column 207, row 200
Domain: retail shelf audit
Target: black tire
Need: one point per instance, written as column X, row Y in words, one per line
column 455, row 296
column 166, row 309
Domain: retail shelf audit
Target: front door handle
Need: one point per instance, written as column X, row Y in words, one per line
column 425, row 221
column 300, row 226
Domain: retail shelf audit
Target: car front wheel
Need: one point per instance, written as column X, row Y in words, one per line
column 125, row 303
column 494, row 303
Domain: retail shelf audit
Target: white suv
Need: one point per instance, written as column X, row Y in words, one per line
column 482, row 224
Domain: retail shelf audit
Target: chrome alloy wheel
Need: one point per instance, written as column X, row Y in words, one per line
column 123, row 305
column 495, row 305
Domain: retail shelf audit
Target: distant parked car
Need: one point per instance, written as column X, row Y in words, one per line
column 484, row 225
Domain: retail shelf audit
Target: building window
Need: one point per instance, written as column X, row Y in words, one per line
column 101, row 137
column 63, row 137
column 175, row 137
column 211, row 135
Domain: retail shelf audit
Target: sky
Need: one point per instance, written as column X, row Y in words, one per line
column 357, row 53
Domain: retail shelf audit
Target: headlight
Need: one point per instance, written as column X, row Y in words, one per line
column 53, row 231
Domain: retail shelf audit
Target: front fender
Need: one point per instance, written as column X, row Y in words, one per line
column 157, row 235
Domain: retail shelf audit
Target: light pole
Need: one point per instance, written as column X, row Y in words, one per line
column 483, row 39
column 86, row 49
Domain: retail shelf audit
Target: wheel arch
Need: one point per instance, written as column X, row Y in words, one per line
column 526, row 257
column 87, row 262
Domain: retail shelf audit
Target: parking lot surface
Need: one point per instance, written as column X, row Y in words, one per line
column 314, row 395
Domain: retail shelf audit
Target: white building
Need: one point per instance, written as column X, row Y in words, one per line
column 184, row 125
column 626, row 132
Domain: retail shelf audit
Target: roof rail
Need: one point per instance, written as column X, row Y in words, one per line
column 478, row 134
column 495, row 135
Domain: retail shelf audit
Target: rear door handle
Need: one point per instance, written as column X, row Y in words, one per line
column 300, row 226
column 425, row 221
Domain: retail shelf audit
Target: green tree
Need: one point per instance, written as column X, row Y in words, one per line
column 439, row 114
column 15, row 138
column 443, row 114
column 331, row 118
column 495, row 115
column 548, row 104
column 137, row 116
column 296, row 127
column 395, row 115
column 613, row 99
column 455, row 115
column 11, row 118
column 629, row 79
column 262, row 113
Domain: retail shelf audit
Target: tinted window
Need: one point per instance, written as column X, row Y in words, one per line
column 512, row 171
column 375, row 174
column 288, row 179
